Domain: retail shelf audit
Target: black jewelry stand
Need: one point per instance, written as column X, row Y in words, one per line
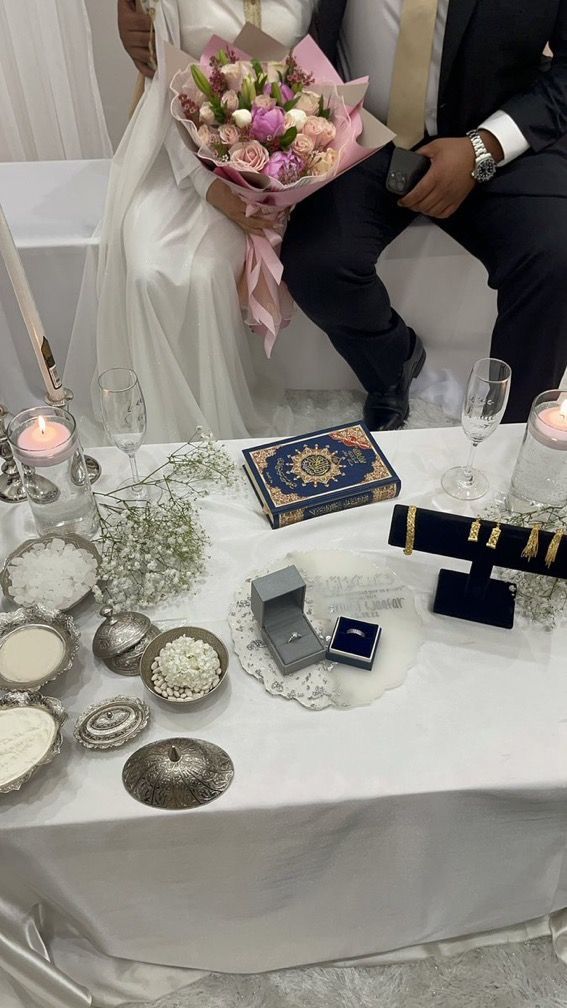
column 476, row 596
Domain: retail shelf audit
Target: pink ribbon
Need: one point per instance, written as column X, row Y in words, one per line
column 264, row 297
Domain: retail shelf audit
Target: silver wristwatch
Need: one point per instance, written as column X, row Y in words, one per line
column 485, row 165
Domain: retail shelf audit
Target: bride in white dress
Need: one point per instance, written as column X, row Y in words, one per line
column 170, row 261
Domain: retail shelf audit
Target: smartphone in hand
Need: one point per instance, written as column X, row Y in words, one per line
column 406, row 169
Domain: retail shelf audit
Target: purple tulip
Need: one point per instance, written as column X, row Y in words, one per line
column 267, row 123
column 287, row 93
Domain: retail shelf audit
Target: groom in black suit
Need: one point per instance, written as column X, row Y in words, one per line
column 494, row 126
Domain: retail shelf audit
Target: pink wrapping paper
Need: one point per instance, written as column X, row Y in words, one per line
column 266, row 302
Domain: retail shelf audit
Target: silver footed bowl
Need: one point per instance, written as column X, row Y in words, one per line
column 153, row 650
column 76, row 540
column 37, row 616
column 57, row 712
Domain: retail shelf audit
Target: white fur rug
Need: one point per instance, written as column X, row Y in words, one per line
column 508, row 976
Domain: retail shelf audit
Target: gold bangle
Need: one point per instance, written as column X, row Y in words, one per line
column 410, row 531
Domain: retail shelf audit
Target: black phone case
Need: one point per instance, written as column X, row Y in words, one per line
column 406, row 169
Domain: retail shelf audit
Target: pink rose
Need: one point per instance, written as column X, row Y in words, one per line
column 234, row 74
column 265, row 102
column 206, row 135
column 267, row 123
column 273, row 71
column 249, row 156
column 323, row 162
column 303, row 146
column 207, row 114
column 319, row 130
column 230, row 101
column 229, row 135
column 308, row 102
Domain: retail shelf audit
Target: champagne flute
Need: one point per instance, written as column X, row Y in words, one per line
column 484, row 405
column 124, row 418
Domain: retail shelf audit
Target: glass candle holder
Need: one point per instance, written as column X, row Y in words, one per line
column 50, row 459
column 540, row 476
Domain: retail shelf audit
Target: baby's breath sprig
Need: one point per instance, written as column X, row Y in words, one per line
column 158, row 550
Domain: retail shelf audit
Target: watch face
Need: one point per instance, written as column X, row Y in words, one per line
column 485, row 169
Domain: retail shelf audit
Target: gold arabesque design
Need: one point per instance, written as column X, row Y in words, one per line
column 379, row 471
column 316, row 466
column 292, row 517
column 410, row 531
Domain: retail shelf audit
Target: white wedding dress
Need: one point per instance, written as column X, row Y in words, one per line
column 169, row 262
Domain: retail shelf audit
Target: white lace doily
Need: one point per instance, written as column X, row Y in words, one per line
column 338, row 583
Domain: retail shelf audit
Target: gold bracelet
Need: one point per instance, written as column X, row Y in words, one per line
column 410, row 531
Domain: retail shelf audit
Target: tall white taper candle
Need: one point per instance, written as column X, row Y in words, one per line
column 29, row 311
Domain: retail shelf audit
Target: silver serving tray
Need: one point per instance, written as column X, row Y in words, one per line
column 63, row 625
column 153, row 650
column 76, row 540
column 57, row 711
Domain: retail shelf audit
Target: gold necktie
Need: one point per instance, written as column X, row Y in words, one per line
column 253, row 12
column 406, row 116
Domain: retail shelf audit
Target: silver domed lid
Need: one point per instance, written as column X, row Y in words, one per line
column 178, row 773
column 119, row 632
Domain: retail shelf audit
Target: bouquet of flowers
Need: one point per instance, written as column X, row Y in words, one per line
column 274, row 131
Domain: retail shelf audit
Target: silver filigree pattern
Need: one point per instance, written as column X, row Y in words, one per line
column 59, row 715
column 63, row 625
column 178, row 773
column 112, row 723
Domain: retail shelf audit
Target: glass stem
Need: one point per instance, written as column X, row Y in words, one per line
column 468, row 476
column 136, row 490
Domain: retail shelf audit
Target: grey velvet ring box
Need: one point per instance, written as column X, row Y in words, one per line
column 278, row 602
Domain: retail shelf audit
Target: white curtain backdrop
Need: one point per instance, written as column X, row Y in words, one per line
column 50, row 106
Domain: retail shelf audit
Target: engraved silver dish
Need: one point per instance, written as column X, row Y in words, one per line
column 153, row 650
column 56, row 710
column 122, row 639
column 25, row 547
column 112, row 723
column 178, row 773
column 37, row 616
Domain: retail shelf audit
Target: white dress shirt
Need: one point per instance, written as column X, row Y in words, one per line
column 368, row 46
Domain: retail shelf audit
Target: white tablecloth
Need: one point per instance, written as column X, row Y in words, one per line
column 440, row 811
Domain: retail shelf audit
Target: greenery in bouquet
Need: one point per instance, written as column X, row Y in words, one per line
column 158, row 550
column 261, row 117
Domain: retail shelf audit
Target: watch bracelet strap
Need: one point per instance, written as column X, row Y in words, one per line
column 480, row 150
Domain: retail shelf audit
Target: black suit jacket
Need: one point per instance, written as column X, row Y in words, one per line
column 492, row 59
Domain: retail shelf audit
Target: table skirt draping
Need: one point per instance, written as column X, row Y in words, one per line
column 436, row 813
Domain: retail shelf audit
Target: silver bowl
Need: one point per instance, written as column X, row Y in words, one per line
column 153, row 650
column 37, row 616
column 57, row 712
column 76, row 540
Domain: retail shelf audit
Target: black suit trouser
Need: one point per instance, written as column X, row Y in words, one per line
column 336, row 236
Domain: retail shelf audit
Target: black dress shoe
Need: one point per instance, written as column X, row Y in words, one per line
column 389, row 410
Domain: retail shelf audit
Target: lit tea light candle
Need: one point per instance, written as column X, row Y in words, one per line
column 30, row 653
column 551, row 422
column 45, row 441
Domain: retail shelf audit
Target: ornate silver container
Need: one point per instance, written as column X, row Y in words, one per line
column 25, row 547
column 112, row 723
column 122, row 639
column 36, row 616
column 178, row 773
column 56, row 711
column 153, row 650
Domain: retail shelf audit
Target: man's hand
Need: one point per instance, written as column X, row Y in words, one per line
column 222, row 197
column 449, row 180
column 134, row 28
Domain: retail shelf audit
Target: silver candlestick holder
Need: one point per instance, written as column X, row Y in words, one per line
column 63, row 399
column 11, row 486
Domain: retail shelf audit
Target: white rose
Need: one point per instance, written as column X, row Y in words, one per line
column 296, row 117
column 207, row 114
column 242, row 117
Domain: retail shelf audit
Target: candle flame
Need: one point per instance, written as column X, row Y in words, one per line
column 41, row 423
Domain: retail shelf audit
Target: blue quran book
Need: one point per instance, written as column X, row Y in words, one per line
column 331, row 470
